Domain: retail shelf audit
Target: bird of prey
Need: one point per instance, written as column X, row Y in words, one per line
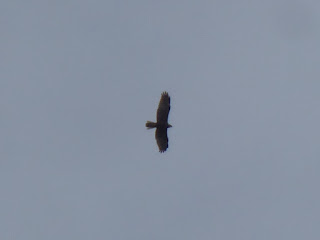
column 162, row 122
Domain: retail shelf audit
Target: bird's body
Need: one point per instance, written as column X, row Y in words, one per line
column 162, row 122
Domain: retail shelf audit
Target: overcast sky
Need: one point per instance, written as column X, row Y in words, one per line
column 79, row 79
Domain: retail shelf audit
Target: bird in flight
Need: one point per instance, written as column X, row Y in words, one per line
column 162, row 122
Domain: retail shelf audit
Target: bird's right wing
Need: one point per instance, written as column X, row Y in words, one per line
column 163, row 108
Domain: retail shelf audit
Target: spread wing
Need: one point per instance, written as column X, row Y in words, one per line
column 163, row 108
column 162, row 139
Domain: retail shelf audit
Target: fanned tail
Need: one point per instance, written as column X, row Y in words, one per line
column 150, row 125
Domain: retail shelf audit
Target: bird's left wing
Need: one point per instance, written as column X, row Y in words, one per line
column 162, row 139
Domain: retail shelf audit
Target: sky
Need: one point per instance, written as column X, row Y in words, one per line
column 79, row 79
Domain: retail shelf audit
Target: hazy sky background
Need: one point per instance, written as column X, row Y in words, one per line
column 79, row 79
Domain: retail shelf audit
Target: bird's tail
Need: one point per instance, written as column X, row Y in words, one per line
column 150, row 125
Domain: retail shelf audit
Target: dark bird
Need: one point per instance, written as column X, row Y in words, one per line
column 162, row 122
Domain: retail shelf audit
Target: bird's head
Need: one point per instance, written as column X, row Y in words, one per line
column 169, row 126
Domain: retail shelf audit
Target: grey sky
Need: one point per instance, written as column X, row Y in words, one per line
column 80, row 78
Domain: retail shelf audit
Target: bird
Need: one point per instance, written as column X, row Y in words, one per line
column 162, row 122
